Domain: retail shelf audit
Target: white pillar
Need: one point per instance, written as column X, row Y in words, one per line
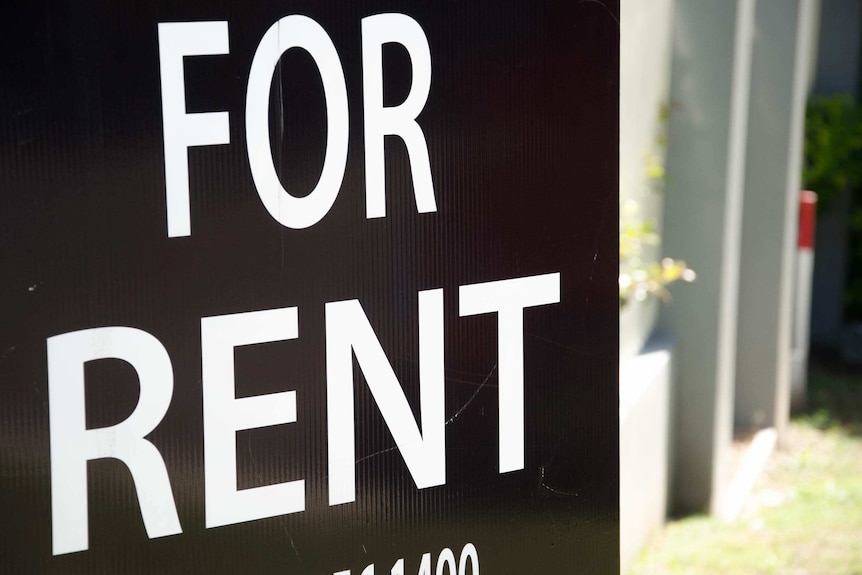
column 779, row 82
column 703, row 210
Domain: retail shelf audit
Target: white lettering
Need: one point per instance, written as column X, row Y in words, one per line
column 224, row 415
column 182, row 130
column 73, row 445
column 468, row 552
column 296, row 32
column 348, row 332
column 509, row 298
column 395, row 120
column 444, row 560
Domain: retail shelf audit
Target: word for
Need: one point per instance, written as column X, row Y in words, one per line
column 178, row 40
column 348, row 333
column 445, row 564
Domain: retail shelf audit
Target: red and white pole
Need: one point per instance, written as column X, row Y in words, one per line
column 802, row 311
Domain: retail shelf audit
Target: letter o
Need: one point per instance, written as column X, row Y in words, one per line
column 296, row 31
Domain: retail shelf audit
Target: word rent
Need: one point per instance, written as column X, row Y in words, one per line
column 348, row 333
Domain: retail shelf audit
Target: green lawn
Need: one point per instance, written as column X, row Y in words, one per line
column 805, row 514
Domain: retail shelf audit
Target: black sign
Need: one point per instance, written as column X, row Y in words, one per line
column 306, row 287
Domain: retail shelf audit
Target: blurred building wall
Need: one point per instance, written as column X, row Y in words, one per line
column 645, row 43
column 779, row 88
column 702, row 225
column 645, row 375
column 718, row 356
column 837, row 72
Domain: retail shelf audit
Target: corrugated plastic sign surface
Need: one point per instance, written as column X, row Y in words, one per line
column 309, row 287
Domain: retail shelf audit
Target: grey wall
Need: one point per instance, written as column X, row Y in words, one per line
column 838, row 49
column 703, row 211
column 837, row 72
column 779, row 78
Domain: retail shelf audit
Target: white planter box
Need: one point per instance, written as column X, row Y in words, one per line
column 646, row 383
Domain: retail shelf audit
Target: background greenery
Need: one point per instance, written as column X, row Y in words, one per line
column 833, row 166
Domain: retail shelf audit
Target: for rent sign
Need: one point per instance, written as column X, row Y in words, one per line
column 310, row 288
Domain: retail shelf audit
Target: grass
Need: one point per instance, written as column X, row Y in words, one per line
column 804, row 516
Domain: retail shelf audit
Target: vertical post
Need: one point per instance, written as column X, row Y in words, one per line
column 802, row 299
column 703, row 209
column 772, row 180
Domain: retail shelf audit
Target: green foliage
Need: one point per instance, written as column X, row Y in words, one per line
column 833, row 146
column 833, row 166
column 641, row 276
